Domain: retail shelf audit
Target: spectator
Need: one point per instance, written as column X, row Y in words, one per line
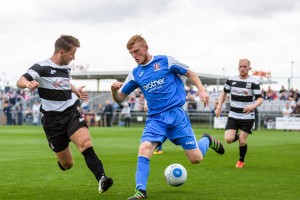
column 141, row 103
column 108, row 112
column 36, row 113
column 19, row 110
column 7, row 111
column 264, row 94
column 29, row 116
column 282, row 89
column 125, row 113
column 270, row 93
column 292, row 102
column 287, row 110
column 100, row 113
column 85, row 106
column 283, row 96
column 131, row 101
column 296, row 111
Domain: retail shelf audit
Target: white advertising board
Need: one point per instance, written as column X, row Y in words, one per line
column 288, row 123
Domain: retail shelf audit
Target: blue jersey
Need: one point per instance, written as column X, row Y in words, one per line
column 160, row 82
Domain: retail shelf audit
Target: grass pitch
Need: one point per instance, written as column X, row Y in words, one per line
column 29, row 168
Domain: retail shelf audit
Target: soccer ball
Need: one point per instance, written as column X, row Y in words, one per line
column 175, row 175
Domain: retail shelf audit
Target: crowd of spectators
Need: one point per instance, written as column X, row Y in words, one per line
column 103, row 115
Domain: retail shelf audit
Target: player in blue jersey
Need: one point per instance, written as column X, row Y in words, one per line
column 158, row 77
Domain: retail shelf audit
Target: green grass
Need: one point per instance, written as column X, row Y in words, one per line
column 29, row 168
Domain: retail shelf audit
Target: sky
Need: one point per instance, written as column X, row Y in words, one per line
column 210, row 36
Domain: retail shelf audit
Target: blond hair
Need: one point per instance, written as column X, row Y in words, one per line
column 245, row 60
column 134, row 39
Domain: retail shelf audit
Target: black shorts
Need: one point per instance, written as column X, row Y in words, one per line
column 59, row 128
column 245, row 125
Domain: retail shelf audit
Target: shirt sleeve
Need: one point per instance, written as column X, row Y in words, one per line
column 177, row 67
column 129, row 85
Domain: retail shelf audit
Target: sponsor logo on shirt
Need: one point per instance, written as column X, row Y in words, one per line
column 153, row 85
column 52, row 71
column 61, row 83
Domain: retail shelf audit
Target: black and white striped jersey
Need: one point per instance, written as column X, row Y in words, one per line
column 54, row 85
column 243, row 92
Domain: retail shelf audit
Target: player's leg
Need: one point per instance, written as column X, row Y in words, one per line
column 58, row 141
column 158, row 149
column 243, row 145
column 196, row 150
column 146, row 150
column 82, row 139
column 231, row 130
column 153, row 134
column 65, row 160
column 231, row 136
column 246, row 129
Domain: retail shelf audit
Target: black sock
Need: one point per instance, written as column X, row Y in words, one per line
column 237, row 136
column 93, row 162
column 243, row 151
column 60, row 166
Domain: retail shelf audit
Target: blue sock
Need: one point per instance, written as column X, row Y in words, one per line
column 142, row 173
column 203, row 145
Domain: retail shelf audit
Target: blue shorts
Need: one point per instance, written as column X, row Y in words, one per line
column 172, row 124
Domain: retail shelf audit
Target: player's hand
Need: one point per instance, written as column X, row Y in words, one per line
column 204, row 98
column 32, row 85
column 116, row 86
column 218, row 112
column 82, row 94
column 249, row 108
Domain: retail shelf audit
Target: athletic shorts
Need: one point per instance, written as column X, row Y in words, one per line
column 172, row 124
column 59, row 128
column 245, row 125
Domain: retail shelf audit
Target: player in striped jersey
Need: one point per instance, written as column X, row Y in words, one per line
column 61, row 120
column 245, row 97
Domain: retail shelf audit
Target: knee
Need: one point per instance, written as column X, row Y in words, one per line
column 228, row 140
column 145, row 149
column 85, row 144
column 243, row 143
column 196, row 159
column 66, row 164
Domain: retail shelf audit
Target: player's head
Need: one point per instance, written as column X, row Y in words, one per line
column 138, row 48
column 244, row 67
column 66, row 47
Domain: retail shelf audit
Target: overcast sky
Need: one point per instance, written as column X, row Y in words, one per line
column 207, row 35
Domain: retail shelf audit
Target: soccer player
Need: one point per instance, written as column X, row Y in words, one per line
column 245, row 97
column 158, row 77
column 61, row 120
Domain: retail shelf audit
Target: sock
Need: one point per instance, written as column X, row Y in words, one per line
column 203, row 145
column 93, row 163
column 60, row 166
column 142, row 173
column 243, row 151
column 159, row 147
column 237, row 136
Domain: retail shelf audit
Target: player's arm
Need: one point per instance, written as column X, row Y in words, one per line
column 118, row 97
column 192, row 76
column 251, row 107
column 80, row 93
column 221, row 101
column 25, row 83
